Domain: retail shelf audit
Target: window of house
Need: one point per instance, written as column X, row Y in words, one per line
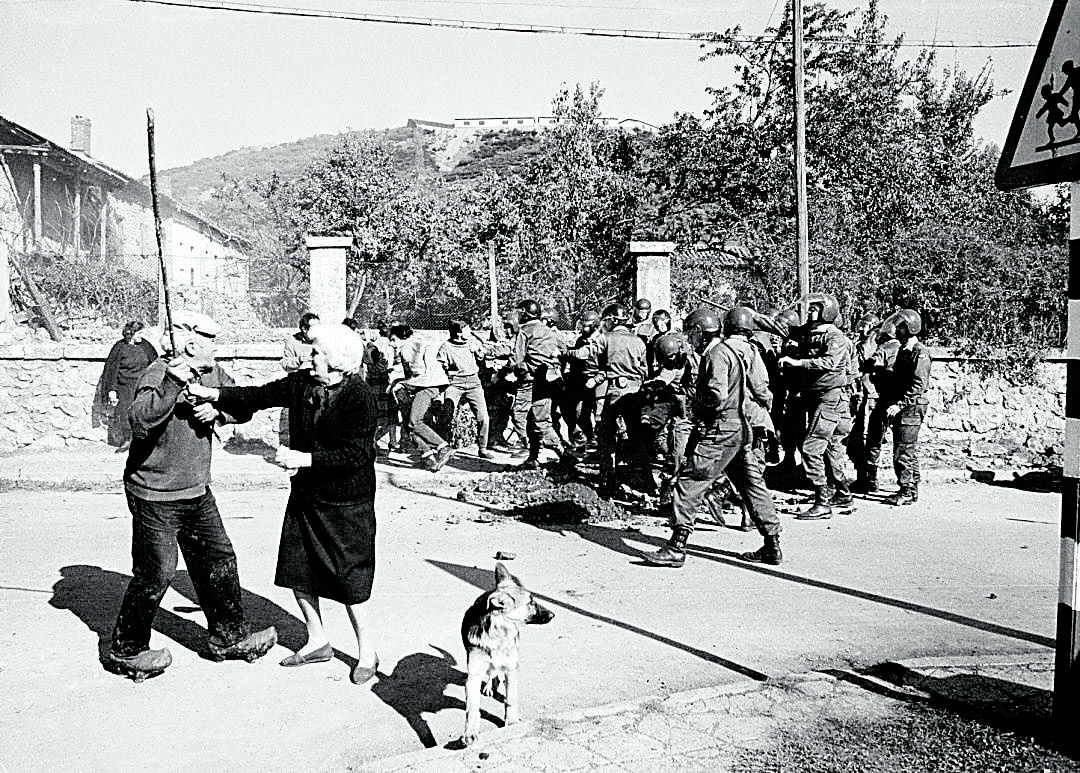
column 480, row 123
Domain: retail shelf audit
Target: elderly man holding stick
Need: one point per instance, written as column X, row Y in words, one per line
column 167, row 484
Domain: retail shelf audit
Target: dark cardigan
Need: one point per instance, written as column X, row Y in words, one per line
column 335, row 424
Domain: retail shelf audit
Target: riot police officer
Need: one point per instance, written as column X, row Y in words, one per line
column 824, row 362
column 719, row 444
column 906, row 403
column 582, row 377
column 621, row 354
column 537, row 371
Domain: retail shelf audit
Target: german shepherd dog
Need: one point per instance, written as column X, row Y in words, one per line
column 490, row 631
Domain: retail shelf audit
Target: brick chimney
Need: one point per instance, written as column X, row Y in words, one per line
column 80, row 134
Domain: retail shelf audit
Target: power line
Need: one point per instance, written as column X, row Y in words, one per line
column 484, row 26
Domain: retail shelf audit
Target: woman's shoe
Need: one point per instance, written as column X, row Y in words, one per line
column 320, row 655
column 361, row 674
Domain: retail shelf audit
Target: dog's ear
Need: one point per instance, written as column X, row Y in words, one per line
column 502, row 575
column 500, row 601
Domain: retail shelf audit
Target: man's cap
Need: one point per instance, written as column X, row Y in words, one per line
column 195, row 322
column 643, row 303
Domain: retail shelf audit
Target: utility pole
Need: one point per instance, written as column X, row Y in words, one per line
column 493, row 282
column 803, row 247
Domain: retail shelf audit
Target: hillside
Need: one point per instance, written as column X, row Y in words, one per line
column 443, row 153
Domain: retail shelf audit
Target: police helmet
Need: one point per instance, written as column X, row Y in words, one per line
column 909, row 318
column 739, row 320
column 703, row 319
column 617, row 313
column 669, row 345
column 830, row 307
column 529, row 309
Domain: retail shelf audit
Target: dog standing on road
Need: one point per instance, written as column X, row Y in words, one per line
column 491, row 631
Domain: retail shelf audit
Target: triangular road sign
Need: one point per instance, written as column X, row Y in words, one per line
column 1043, row 145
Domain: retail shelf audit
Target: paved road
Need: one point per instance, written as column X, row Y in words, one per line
column 970, row 571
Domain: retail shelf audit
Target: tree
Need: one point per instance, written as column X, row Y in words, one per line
column 901, row 206
column 576, row 203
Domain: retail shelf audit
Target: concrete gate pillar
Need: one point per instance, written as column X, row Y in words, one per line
column 652, row 277
column 328, row 256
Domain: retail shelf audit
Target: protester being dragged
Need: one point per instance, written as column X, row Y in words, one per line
column 127, row 360
column 496, row 335
column 879, row 369
column 661, row 322
column 327, row 548
column 864, row 398
column 167, row 484
column 642, row 324
column 297, row 354
column 460, row 357
column 424, row 383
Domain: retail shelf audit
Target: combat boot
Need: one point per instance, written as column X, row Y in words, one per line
column 871, row 479
column 146, row 665
column 842, row 495
column 608, row 486
column 821, row 508
column 769, row 553
column 672, row 554
column 905, row 496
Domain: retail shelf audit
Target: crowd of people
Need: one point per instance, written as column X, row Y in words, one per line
column 688, row 415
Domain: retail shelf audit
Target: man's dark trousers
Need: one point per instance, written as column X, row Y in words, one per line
column 157, row 528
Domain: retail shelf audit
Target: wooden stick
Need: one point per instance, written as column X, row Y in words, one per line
column 157, row 226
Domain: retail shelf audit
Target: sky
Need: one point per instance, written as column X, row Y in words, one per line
column 218, row 81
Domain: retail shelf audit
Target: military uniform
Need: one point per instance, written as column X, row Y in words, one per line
column 826, row 355
column 622, row 356
column 720, row 442
column 911, row 378
column 583, row 375
column 881, row 377
column 536, row 363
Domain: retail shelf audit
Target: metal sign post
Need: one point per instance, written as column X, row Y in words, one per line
column 1043, row 147
column 1067, row 657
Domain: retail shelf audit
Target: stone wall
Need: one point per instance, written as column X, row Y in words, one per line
column 47, row 396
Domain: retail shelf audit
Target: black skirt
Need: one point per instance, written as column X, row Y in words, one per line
column 327, row 548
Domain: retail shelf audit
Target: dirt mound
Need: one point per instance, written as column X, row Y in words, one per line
column 545, row 496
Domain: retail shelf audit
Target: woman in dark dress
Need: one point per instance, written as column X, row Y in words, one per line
column 328, row 539
column 127, row 360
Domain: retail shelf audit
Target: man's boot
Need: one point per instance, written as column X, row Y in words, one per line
column 841, row 495
column 250, row 648
column 905, row 496
column 871, row 478
column 607, row 487
column 821, row 507
column 146, row 665
column 672, row 554
column 769, row 553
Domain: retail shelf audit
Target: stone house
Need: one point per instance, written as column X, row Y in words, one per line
column 63, row 201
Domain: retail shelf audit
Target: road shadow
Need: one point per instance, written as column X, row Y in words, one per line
column 94, row 595
column 485, row 580
column 417, row 688
column 1008, row 706
column 1048, row 481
